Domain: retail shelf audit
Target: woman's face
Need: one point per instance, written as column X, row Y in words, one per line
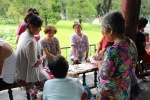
column 108, row 35
column 50, row 34
column 77, row 29
column 35, row 30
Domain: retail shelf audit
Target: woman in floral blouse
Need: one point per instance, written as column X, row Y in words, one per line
column 50, row 44
column 79, row 45
column 116, row 70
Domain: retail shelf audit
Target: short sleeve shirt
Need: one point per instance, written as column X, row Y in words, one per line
column 63, row 89
column 81, row 44
column 50, row 46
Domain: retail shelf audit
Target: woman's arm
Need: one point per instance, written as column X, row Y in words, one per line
column 1, row 59
column 17, row 39
column 84, row 95
column 58, row 50
column 45, row 51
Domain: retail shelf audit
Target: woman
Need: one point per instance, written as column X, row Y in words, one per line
column 79, row 45
column 26, row 53
column 22, row 27
column 7, row 65
column 50, row 44
column 116, row 69
column 62, row 87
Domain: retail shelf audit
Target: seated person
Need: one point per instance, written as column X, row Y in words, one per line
column 62, row 87
column 141, row 41
column 7, row 65
column 50, row 44
column 79, row 45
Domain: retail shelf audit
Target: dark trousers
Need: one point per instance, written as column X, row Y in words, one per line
column 3, row 84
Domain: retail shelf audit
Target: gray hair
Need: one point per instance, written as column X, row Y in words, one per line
column 115, row 21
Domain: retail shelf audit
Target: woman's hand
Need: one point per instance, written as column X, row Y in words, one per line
column 95, row 56
column 75, row 60
column 99, row 65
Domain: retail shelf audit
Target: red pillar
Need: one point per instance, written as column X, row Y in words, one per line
column 130, row 10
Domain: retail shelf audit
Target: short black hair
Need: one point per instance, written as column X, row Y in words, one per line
column 142, row 22
column 115, row 21
column 58, row 67
column 33, row 19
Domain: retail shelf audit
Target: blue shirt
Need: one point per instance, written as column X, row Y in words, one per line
column 63, row 89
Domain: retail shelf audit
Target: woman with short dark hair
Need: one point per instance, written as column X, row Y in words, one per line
column 26, row 53
column 116, row 71
column 62, row 87
column 50, row 44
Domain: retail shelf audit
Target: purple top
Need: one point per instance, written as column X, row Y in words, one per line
column 22, row 29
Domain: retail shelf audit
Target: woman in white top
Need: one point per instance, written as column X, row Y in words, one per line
column 26, row 53
column 7, row 65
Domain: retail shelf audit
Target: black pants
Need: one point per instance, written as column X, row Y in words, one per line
column 3, row 84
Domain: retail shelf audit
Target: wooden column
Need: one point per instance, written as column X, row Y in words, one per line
column 130, row 10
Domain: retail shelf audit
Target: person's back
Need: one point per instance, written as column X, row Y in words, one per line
column 63, row 89
column 7, row 64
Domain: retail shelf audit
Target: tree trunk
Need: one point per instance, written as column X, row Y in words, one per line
column 130, row 10
column 45, row 20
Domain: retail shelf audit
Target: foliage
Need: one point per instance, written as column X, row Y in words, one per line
column 145, row 8
column 80, row 9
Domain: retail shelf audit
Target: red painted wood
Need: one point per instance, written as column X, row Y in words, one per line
column 130, row 10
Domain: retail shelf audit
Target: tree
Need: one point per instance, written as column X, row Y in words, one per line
column 63, row 12
column 4, row 5
column 80, row 9
column 145, row 8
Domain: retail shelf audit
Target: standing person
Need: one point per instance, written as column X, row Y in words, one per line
column 102, row 46
column 50, row 44
column 26, row 53
column 7, row 65
column 22, row 27
column 116, row 71
column 62, row 87
column 79, row 45
column 141, row 41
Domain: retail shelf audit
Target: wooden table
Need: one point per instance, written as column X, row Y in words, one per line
column 83, row 69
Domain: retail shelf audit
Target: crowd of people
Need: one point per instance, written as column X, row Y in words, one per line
column 116, row 70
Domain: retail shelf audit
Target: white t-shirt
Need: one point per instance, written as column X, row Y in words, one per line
column 63, row 89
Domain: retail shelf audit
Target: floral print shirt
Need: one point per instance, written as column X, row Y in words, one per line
column 81, row 44
column 115, row 76
column 50, row 46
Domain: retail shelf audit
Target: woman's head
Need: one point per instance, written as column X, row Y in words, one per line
column 113, row 24
column 77, row 27
column 34, row 23
column 50, row 31
column 58, row 67
column 146, row 36
column 33, row 10
column 142, row 24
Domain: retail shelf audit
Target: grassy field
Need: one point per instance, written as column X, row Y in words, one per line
column 64, row 31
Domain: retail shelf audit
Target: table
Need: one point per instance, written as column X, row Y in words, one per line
column 83, row 69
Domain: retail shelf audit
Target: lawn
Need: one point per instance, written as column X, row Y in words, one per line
column 64, row 31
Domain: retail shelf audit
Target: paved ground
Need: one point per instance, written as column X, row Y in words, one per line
column 19, row 93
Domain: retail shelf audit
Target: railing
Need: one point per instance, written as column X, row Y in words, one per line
column 66, row 51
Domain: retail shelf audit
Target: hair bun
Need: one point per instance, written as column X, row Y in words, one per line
column 27, row 17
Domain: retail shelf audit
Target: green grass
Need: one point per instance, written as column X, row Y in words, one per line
column 64, row 29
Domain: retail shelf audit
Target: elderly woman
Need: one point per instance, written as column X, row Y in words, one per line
column 62, row 87
column 79, row 45
column 50, row 44
column 27, row 62
column 116, row 69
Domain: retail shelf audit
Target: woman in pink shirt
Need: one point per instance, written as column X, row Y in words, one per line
column 22, row 27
